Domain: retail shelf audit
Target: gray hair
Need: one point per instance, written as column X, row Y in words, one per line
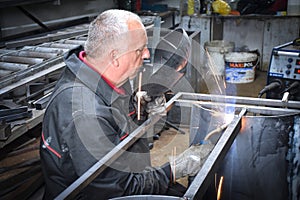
column 106, row 30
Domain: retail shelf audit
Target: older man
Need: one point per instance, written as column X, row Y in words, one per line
column 91, row 111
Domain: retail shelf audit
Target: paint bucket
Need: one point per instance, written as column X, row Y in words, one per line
column 240, row 67
column 216, row 50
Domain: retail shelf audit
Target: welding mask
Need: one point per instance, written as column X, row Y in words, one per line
column 169, row 64
column 173, row 50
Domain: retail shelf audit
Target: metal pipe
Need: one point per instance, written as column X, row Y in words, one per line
column 238, row 100
column 25, row 60
column 63, row 46
column 77, row 42
column 12, row 66
column 45, row 49
column 251, row 108
column 4, row 73
column 33, row 54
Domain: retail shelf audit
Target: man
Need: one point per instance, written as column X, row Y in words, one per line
column 91, row 111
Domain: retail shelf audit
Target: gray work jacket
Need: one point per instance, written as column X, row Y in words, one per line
column 84, row 120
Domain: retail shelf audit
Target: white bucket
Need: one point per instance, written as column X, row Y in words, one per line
column 217, row 49
column 240, row 67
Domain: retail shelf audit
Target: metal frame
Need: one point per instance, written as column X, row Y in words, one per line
column 201, row 181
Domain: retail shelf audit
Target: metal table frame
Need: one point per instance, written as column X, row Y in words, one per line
column 201, row 181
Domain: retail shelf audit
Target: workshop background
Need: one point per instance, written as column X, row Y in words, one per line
column 248, row 50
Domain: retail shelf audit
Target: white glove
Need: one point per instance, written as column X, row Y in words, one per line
column 190, row 161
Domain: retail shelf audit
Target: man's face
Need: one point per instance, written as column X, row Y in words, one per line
column 136, row 51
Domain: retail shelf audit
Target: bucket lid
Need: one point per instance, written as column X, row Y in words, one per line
column 240, row 57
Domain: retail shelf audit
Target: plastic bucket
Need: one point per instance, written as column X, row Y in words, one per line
column 240, row 67
column 217, row 49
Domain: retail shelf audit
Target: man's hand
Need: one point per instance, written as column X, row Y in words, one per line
column 190, row 161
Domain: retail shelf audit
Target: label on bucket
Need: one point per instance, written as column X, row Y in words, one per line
column 240, row 64
column 240, row 67
column 239, row 75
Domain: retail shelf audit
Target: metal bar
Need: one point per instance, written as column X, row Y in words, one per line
column 33, row 18
column 17, row 131
column 25, row 77
column 47, row 38
column 12, row 66
column 240, row 100
column 19, row 59
column 42, row 102
column 4, row 73
column 34, row 54
column 17, row 116
column 201, row 182
column 77, row 42
column 251, row 108
column 45, row 49
column 62, row 46
column 97, row 168
column 5, row 112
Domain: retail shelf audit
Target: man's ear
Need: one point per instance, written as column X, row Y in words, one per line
column 113, row 55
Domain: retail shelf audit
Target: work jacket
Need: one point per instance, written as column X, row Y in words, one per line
column 84, row 120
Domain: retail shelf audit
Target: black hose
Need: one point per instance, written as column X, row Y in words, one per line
column 292, row 86
column 274, row 85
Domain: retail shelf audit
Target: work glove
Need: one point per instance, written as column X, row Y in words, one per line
column 190, row 161
column 148, row 106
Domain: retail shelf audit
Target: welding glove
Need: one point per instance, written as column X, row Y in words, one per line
column 144, row 100
column 149, row 105
column 190, row 161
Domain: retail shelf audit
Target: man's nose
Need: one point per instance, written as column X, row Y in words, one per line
column 146, row 53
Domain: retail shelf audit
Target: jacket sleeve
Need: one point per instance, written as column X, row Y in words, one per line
column 89, row 138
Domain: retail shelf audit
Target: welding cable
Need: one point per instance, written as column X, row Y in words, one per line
column 213, row 132
column 274, row 85
column 292, row 86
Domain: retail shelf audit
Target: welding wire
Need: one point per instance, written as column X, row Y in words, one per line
column 174, row 165
column 220, row 188
column 139, row 96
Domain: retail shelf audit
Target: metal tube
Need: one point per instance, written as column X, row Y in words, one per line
column 45, row 49
column 4, row 73
column 25, row 60
column 238, row 100
column 251, row 108
column 63, row 46
column 34, row 54
column 12, row 66
column 77, row 42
